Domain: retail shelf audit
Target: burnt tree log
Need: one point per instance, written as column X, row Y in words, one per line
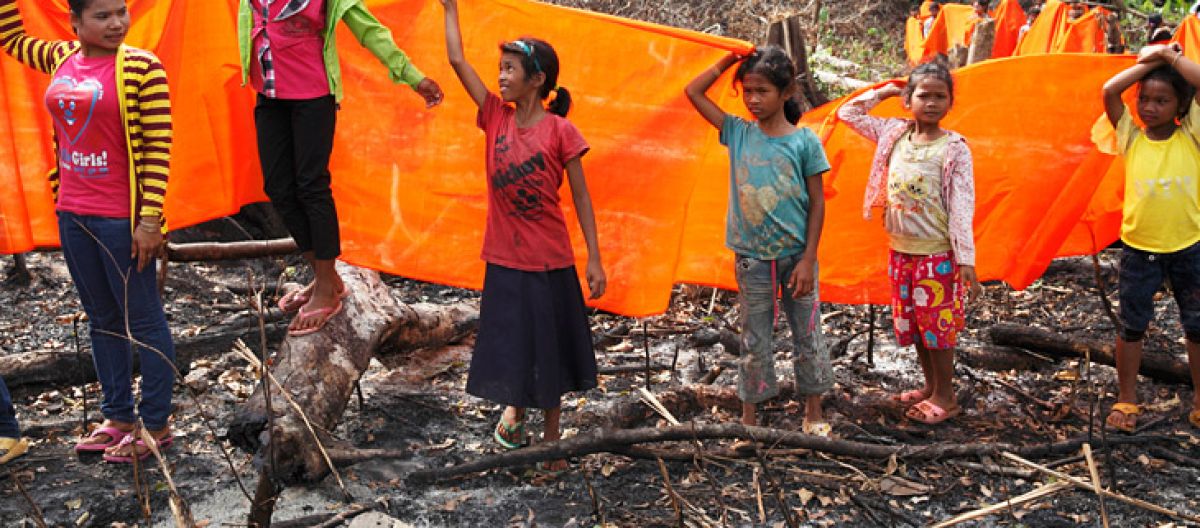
column 1158, row 365
column 319, row 371
column 64, row 368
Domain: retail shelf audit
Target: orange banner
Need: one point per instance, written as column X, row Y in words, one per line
column 410, row 187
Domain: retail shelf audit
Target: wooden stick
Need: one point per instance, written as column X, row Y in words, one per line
column 1084, row 485
column 762, row 512
column 1034, row 495
column 666, row 477
column 1087, row 453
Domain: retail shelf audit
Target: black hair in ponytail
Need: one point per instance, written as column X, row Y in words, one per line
column 538, row 56
column 774, row 64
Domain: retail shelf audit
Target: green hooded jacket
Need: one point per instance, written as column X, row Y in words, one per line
column 373, row 35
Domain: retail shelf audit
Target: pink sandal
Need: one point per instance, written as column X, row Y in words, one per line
column 115, row 437
column 325, row 314
column 909, row 398
column 133, row 444
column 293, row 301
column 930, row 413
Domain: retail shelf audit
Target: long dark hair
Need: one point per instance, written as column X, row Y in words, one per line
column 774, row 64
column 537, row 56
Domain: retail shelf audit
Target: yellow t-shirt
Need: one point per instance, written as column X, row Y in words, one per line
column 1162, row 185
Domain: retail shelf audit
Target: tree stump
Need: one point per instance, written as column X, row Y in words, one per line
column 982, row 41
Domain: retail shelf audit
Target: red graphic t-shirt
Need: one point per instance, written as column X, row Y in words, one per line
column 525, row 227
column 92, row 156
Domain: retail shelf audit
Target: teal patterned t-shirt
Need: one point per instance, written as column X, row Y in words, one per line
column 768, row 192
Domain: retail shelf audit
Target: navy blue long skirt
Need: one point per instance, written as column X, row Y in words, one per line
column 534, row 342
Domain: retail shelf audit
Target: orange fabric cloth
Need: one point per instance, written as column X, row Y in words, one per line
column 1188, row 36
column 1040, row 182
column 949, row 30
column 1009, row 18
column 924, row 12
column 1054, row 32
column 410, row 185
column 956, row 28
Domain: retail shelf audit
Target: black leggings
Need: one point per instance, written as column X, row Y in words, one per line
column 295, row 139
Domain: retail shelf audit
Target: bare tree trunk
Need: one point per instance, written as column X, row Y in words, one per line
column 982, row 41
column 788, row 33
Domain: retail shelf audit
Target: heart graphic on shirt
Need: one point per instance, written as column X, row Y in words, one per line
column 76, row 102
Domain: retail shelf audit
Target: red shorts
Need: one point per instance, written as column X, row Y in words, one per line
column 927, row 299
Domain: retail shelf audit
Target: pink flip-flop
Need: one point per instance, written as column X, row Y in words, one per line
column 293, row 301
column 324, row 313
column 129, row 441
column 115, row 436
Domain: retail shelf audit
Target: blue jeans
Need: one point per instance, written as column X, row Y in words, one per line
column 758, row 284
column 97, row 253
column 8, row 415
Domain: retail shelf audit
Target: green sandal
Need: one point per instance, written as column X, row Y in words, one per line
column 505, row 431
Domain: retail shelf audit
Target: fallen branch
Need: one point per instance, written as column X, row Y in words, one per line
column 1160, row 366
column 209, row 251
column 617, row 440
column 1085, row 486
column 985, row 511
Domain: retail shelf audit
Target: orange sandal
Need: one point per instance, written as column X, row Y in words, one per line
column 1127, row 410
column 1194, row 418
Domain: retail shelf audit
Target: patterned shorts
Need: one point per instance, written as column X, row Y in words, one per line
column 927, row 299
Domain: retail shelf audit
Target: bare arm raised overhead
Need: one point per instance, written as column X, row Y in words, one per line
column 454, row 49
column 698, row 88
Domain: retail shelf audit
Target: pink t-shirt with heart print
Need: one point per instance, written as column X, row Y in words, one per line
column 93, row 159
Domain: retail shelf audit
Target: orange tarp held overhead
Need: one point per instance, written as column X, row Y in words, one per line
column 954, row 26
column 1188, row 36
column 410, row 183
column 949, row 29
column 1036, row 172
column 1055, row 32
column 1009, row 18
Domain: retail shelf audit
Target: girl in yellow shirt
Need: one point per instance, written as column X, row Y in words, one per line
column 1160, row 225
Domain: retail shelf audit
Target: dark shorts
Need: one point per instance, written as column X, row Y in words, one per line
column 1141, row 275
column 534, row 342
